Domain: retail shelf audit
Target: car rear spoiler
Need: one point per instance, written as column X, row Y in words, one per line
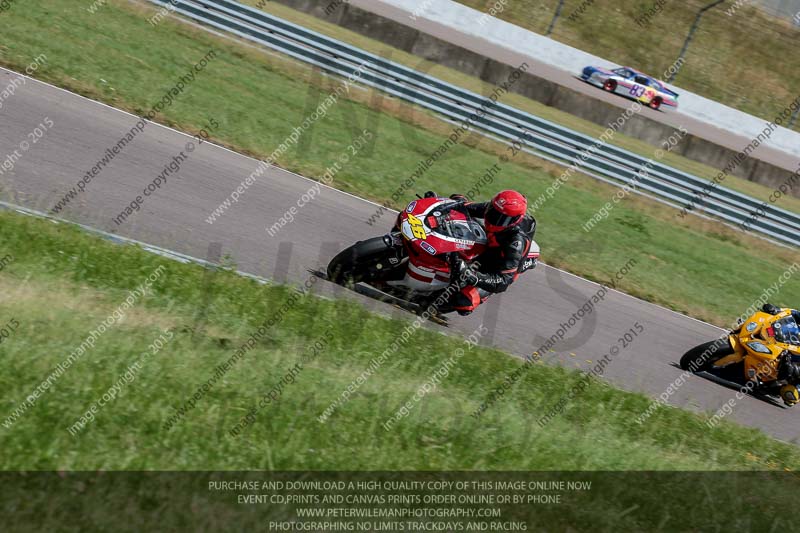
column 670, row 92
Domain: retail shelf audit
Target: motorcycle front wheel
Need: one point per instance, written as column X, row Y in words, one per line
column 363, row 261
column 702, row 357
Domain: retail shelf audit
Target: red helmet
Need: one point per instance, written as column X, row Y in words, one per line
column 505, row 210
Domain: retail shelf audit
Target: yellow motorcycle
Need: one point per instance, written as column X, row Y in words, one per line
column 763, row 354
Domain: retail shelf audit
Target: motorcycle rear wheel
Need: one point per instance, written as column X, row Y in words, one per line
column 702, row 357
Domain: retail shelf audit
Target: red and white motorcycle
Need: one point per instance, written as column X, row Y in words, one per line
column 412, row 262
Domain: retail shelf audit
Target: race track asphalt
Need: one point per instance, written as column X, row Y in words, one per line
column 174, row 217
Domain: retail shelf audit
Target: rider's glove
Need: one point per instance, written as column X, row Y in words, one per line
column 429, row 194
column 771, row 309
column 788, row 369
column 460, row 273
column 459, row 197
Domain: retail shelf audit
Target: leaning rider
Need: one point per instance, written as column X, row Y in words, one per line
column 789, row 369
column 510, row 232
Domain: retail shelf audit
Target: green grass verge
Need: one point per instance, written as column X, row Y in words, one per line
column 693, row 266
column 62, row 283
column 745, row 60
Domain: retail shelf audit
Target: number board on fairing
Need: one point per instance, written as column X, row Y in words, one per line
column 417, row 229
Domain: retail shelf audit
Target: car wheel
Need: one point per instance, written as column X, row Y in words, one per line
column 610, row 86
column 655, row 103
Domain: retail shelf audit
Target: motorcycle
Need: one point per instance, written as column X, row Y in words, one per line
column 753, row 355
column 412, row 263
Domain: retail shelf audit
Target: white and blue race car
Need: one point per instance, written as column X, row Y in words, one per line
column 632, row 84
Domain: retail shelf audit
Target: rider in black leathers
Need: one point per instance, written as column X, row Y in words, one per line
column 789, row 368
column 510, row 231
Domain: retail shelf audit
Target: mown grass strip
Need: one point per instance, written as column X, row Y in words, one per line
column 64, row 282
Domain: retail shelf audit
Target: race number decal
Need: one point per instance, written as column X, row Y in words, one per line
column 417, row 229
column 636, row 90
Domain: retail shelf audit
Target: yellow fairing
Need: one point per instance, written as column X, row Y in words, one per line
column 738, row 353
column 756, row 330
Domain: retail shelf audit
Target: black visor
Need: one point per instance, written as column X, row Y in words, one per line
column 496, row 218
